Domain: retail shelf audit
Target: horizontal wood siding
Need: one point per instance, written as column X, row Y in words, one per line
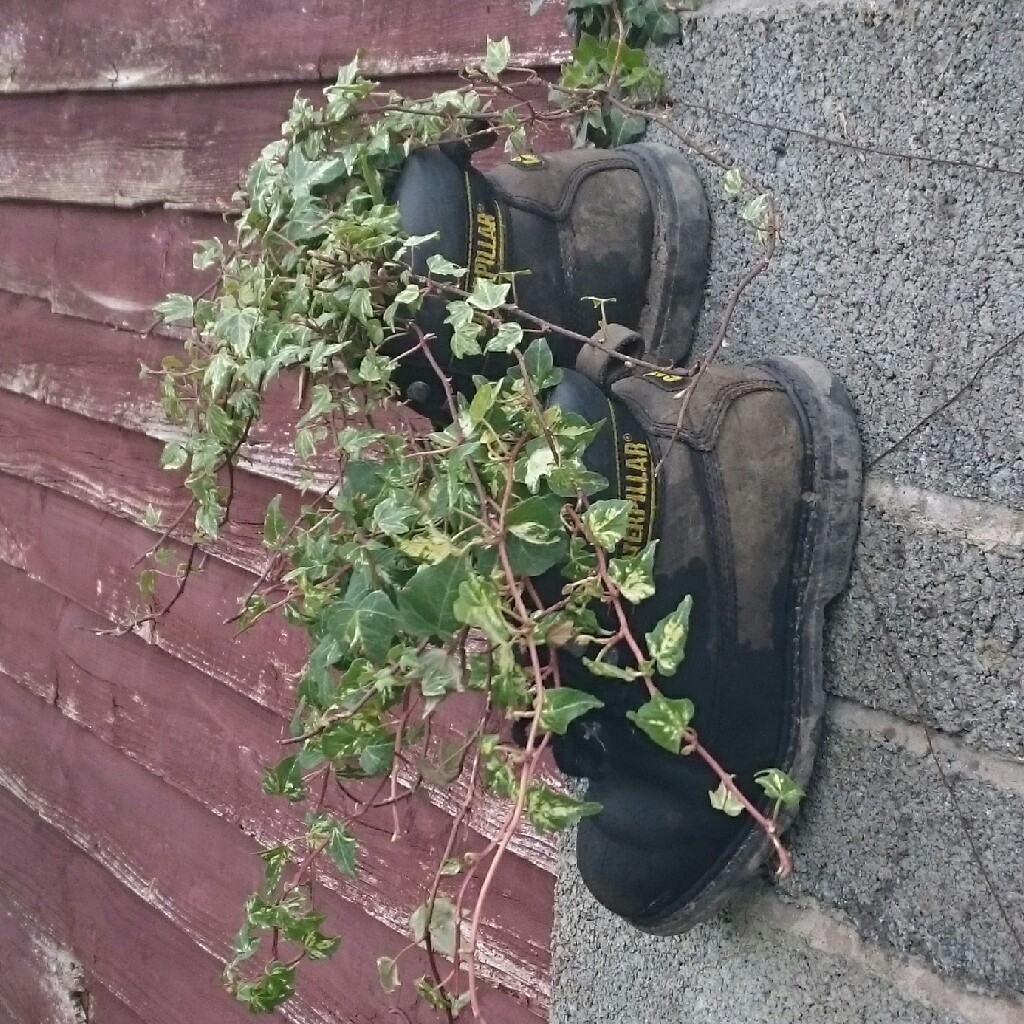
column 135, row 44
column 129, row 764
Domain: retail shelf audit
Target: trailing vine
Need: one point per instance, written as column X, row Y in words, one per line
column 414, row 562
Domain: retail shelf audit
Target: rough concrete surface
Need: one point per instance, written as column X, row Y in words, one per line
column 904, row 275
column 901, row 275
column 932, row 629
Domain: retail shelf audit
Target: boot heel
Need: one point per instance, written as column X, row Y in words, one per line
column 679, row 257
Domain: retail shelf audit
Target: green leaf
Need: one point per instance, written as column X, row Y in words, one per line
column 449, row 764
column 426, row 605
column 732, row 182
column 779, row 786
column 488, row 295
column 285, row 779
column 392, row 517
column 387, row 973
column 563, row 705
column 509, row 336
column 756, row 212
column 725, row 801
column 634, row 576
column 275, row 859
column 439, row 673
column 210, row 252
column 152, row 517
column 440, row 920
column 377, row 757
column 539, row 462
column 479, row 604
column 607, row 522
column 175, row 307
column 174, row 456
column 275, row 987
column 664, row 720
column 341, row 848
column 536, row 540
column 147, row 583
column 667, row 643
column 235, row 326
column 441, row 267
column 496, row 60
column 466, row 341
column 624, row 128
column 540, row 365
column 605, row 668
column 274, row 525
column 549, row 811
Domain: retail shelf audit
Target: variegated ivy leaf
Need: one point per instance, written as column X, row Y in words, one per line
column 667, row 643
column 724, row 800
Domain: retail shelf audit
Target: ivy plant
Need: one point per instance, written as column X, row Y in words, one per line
column 422, row 563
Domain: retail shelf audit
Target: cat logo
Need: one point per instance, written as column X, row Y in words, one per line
column 527, row 161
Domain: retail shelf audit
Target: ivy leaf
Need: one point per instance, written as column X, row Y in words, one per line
column 387, row 972
column 667, row 644
column 426, row 605
column 625, row 128
column 276, row 986
column 175, row 307
column 607, row 522
column 509, row 336
column 466, row 341
column 779, row 786
column 235, row 326
column 732, row 182
column 174, row 456
column 605, row 668
column 664, row 720
column 488, row 295
column 725, row 801
column 392, row 517
column 274, row 525
column 285, row 779
column 341, row 848
column 440, row 920
column 549, row 811
column 378, row 755
column 540, row 365
column 563, row 705
column 634, row 576
column 439, row 673
column 535, row 541
column 371, row 624
column 536, row 5
column 479, row 604
column 442, row 267
column 496, row 60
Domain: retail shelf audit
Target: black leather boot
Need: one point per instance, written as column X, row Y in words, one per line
column 629, row 225
column 755, row 510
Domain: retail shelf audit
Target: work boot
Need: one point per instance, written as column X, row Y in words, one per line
column 755, row 510
column 628, row 225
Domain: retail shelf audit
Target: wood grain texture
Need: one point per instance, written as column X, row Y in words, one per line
column 210, row 744
column 101, row 264
column 184, row 147
column 85, row 555
column 134, row 44
column 195, row 868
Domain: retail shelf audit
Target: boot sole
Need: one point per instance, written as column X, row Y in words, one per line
column 834, row 454
column 679, row 255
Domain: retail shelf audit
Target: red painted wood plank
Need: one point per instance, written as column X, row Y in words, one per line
column 85, row 555
column 93, row 370
column 44, row 983
column 193, row 867
column 131, row 44
column 210, row 744
column 118, row 471
column 179, row 146
column 101, row 264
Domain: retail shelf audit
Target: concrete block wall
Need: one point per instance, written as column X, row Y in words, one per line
column 890, row 135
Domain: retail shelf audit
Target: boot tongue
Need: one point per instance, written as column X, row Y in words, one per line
column 437, row 194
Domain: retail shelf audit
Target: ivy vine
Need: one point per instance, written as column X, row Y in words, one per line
column 412, row 562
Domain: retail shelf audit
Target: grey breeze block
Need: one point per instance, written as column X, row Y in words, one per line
column 904, row 275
